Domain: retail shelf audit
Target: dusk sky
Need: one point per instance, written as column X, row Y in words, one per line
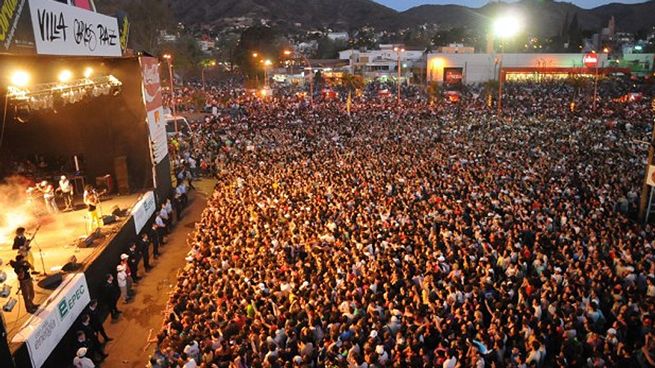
column 406, row 4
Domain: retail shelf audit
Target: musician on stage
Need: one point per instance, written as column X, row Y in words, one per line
column 49, row 197
column 66, row 189
column 22, row 245
column 92, row 201
column 22, row 268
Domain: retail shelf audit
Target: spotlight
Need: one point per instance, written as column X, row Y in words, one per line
column 116, row 90
column 22, row 113
column 20, row 78
column 88, row 72
column 65, row 76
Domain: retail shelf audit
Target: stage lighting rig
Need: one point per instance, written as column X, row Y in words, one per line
column 66, row 91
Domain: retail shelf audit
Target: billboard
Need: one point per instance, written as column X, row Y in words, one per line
column 61, row 29
column 154, row 109
column 452, row 77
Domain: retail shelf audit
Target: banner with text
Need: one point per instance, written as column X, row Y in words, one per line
column 46, row 328
column 153, row 101
column 60, row 29
column 143, row 210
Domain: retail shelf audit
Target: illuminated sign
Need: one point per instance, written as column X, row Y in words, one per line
column 590, row 60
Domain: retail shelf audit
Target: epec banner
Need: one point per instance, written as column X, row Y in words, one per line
column 44, row 330
column 61, row 29
column 143, row 210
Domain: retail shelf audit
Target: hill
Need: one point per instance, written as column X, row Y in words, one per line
column 543, row 17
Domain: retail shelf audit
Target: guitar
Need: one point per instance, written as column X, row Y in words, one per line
column 26, row 245
column 93, row 198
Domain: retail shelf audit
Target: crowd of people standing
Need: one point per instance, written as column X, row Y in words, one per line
column 417, row 235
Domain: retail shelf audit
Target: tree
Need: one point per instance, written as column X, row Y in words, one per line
column 434, row 91
column 186, row 53
column 262, row 40
column 352, row 82
column 329, row 49
column 148, row 18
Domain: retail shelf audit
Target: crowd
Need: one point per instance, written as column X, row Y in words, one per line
column 417, row 235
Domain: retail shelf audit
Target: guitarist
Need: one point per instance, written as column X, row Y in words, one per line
column 22, row 244
column 22, row 268
column 92, row 201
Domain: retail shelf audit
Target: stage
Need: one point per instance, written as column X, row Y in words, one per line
column 60, row 237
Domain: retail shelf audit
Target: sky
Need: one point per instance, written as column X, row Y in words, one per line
column 406, row 4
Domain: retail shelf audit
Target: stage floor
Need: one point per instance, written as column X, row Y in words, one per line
column 57, row 238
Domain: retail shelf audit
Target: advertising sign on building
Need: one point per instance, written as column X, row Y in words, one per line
column 590, row 60
column 45, row 329
column 453, row 76
column 60, row 29
column 143, row 210
column 153, row 101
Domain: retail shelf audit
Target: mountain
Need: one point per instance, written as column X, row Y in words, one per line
column 543, row 17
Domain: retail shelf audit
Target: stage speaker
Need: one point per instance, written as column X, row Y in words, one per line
column 71, row 267
column 6, row 290
column 122, row 177
column 9, row 305
column 51, row 282
column 109, row 219
column 116, row 211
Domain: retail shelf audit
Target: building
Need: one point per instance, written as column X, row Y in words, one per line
column 479, row 68
column 456, row 48
column 382, row 63
column 338, row 36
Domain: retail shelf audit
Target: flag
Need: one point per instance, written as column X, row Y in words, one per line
column 349, row 102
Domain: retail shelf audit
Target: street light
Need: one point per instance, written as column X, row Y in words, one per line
column 266, row 63
column 206, row 64
column 399, row 51
column 506, row 26
column 169, row 60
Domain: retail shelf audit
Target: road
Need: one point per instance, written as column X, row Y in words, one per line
column 144, row 313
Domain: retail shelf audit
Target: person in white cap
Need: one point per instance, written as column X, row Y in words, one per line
column 49, row 196
column 81, row 361
column 66, row 190
column 121, row 279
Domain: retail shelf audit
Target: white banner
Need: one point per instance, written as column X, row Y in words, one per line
column 143, row 210
column 650, row 180
column 61, row 29
column 153, row 101
column 45, row 329
column 157, row 129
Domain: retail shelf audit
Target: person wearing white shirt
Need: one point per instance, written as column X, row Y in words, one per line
column 81, row 361
column 66, row 190
column 121, row 279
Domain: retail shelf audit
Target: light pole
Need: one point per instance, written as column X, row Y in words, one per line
column 206, row 64
column 399, row 51
column 267, row 63
column 255, row 55
column 169, row 60
column 311, row 77
column 504, row 27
